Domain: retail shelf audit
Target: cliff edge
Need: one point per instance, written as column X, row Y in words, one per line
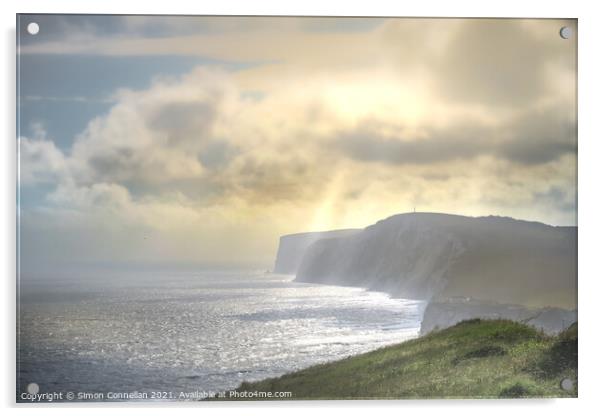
column 292, row 247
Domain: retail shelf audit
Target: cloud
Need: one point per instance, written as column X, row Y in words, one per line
column 365, row 146
column 152, row 136
column 540, row 136
column 558, row 198
column 534, row 137
column 201, row 136
column 500, row 61
column 74, row 99
column 39, row 159
column 187, row 155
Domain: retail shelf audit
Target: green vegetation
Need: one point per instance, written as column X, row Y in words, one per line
column 473, row 359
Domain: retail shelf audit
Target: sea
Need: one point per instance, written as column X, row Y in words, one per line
column 190, row 335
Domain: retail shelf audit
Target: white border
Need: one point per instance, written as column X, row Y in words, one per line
column 590, row 208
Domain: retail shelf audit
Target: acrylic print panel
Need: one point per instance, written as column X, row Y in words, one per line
column 289, row 208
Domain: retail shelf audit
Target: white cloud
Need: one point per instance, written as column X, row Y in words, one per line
column 39, row 159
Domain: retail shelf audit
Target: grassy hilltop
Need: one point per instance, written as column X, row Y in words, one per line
column 473, row 359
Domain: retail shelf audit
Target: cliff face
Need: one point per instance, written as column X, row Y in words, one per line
column 292, row 247
column 437, row 256
column 439, row 315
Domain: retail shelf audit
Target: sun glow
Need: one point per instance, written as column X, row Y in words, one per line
column 382, row 98
column 326, row 215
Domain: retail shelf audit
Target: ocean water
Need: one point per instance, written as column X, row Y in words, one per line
column 194, row 333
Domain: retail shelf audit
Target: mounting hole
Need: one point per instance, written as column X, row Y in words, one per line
column 566, row 32
column 33, row 388
column 567, row 384
column 33, row 28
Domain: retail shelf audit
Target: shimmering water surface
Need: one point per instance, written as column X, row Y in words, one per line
column 191, row 332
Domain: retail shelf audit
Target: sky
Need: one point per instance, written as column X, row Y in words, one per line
column 149, row 141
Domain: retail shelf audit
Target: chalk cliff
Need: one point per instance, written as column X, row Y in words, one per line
column 292, row 247
column 439, row 257
column 443, row 314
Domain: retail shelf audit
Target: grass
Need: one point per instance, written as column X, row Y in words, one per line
column 473, row 359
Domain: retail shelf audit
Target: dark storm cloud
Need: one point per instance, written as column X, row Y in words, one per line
column 115, row 162
column 185, row 121
column 217, row 154
column 534, row 150
column 374, row 148
column 556, row 197
column 540, row 136
column 534, row 138
column 500, row 61
column 276, row 179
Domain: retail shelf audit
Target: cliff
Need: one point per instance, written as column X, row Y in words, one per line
column 292, row 247
column 493, row 260
column 443, row 314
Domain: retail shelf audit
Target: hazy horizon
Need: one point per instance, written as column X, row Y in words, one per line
column 201, row 140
